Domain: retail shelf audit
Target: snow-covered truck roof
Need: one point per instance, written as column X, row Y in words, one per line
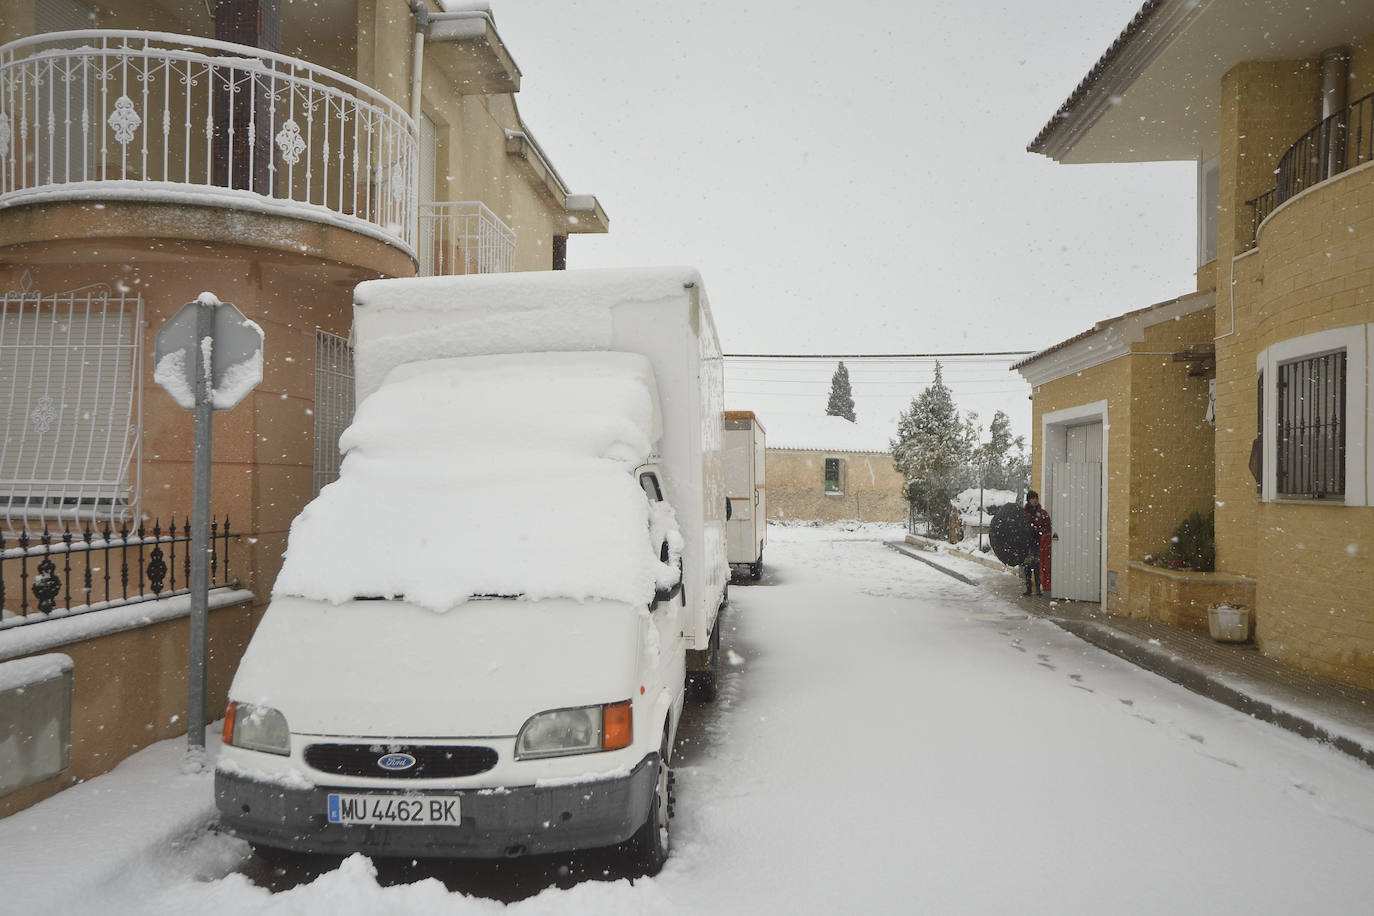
column 499, row 475
column 400, row 321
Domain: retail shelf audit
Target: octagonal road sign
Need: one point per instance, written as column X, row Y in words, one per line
column 235, row 354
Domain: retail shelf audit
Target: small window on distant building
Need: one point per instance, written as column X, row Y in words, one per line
column 833, row 482
column 1310, row 427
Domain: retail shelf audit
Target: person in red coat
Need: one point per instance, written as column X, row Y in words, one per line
column 1036, row 567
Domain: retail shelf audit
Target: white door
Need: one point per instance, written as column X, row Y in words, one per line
column 1076, row 515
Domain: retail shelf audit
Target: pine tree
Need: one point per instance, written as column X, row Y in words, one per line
column 933, row 450
column 1002, row 461
column 841, row 397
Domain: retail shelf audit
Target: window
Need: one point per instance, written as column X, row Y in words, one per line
column 1208, row 195
column 69, row 404
column 1257, row 447
column 333, row 403
column 833, row 475
column 1310, row 427
column 1313, row 416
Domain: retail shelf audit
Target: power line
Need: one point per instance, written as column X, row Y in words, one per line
column 875, row 355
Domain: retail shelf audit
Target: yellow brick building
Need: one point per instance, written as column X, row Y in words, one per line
column 1279, row 118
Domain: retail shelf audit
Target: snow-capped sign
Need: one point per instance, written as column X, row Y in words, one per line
column 233, row 350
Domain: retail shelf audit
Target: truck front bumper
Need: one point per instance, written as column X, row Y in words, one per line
column 495, row 823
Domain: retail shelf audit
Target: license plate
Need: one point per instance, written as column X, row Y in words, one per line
column 394, row 810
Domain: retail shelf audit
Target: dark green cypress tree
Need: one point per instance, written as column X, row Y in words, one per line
column 841, row 396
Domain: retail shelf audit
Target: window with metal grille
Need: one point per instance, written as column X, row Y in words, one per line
column 833, row 469
column 69, row 405
column 1310, row 427
column 333, row 402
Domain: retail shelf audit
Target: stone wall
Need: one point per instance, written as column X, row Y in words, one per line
column 871, row 488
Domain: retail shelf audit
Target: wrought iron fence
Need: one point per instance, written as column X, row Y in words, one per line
column 90, row 569
column 125, row 114
column 1339, row 143
column 1260, row 208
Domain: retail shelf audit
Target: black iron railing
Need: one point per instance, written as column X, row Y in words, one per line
column 1337, row 144
column 1260, row 208
column 91, row 569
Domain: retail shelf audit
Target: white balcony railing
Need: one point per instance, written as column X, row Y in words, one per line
column 148, row 115
column 463, row 238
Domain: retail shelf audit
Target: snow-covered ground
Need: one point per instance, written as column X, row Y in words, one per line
column 887, row 739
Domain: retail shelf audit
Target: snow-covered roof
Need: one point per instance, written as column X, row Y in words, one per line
column 819, row 432
column 494, row 475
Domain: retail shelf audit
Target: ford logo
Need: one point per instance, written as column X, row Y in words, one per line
column 396, row 762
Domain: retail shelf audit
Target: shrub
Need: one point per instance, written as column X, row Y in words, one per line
column 1193, row 545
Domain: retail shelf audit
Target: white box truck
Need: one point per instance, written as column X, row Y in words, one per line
column 746, row 526
column 479, row 641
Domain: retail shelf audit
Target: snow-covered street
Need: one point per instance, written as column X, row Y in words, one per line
column 887, row 739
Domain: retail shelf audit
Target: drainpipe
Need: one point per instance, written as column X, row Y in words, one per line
column 1335, row 76
column 421, row 13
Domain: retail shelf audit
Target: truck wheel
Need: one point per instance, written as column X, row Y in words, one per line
column 648, row 848
column 701, row 682
column 756, row 570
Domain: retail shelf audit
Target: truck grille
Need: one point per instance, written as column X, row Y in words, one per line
column 431, row 761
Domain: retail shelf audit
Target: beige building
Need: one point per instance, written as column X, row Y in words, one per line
column 1278, row 114
column 827, row 469
column 274, row 154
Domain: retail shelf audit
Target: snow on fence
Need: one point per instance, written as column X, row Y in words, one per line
column 462, row 237
column 151, row 115
column 91, row 570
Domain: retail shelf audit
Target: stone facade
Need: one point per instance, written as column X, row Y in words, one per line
column 1158, row 459
column 1299, row 287
column 290, row 269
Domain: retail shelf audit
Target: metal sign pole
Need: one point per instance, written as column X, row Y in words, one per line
column 202, row 344
column 200, row 527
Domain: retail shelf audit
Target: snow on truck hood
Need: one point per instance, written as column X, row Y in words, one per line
column 391, row 669
column 493, row 475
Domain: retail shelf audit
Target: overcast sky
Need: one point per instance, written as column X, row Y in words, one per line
column 853, row 177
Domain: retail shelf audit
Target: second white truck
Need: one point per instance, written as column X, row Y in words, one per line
column 746, row 483
column 482, row 636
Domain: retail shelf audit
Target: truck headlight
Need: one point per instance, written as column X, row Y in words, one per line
column 580, row 730
column 257, row 728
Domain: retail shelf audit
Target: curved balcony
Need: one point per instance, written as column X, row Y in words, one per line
column 1338, row 144
column 151, row 116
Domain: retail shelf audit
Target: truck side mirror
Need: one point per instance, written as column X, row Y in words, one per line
column 729, row 510
column 668, row 594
